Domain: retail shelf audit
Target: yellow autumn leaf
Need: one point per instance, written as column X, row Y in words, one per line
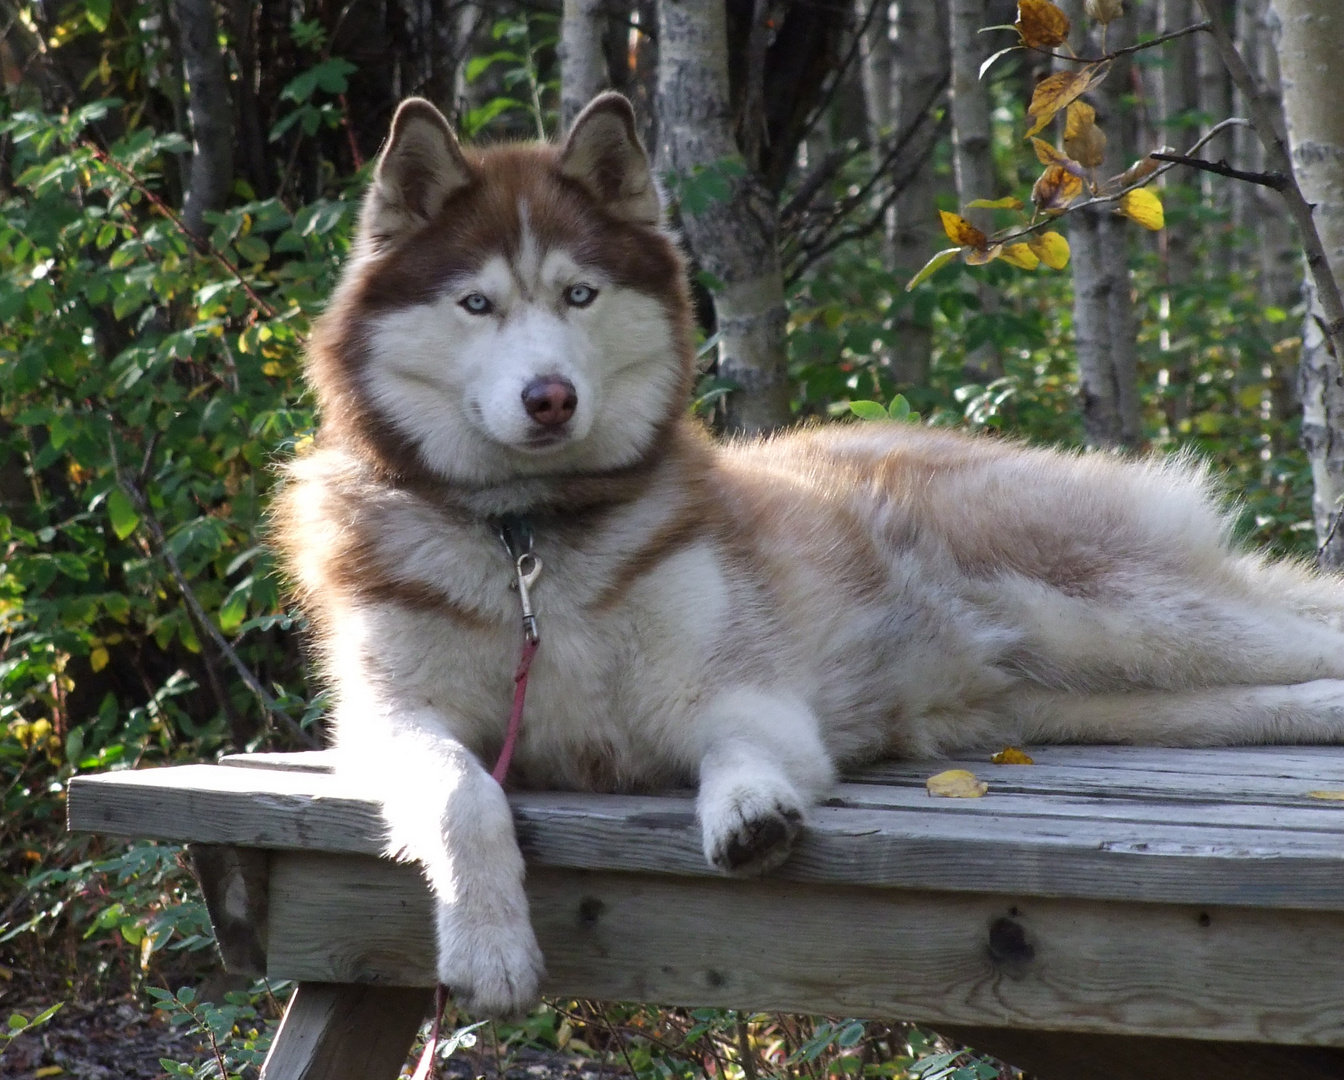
column 981, row 256
column 1056, row 189
column 960, row 231
column 956, row 784
column 1104, row 11
column 1041, row 24
column 98, row 658
column 1047, row 154
column 48, row 1070
column 1008, row 202
column 1143, row 206
column 1052, row 248
column 1021, row 255
column 933, row 266
column 1056, row 91
column 1083, row 140
column 1012, row 755
column 1329, row 796
column 272, row 368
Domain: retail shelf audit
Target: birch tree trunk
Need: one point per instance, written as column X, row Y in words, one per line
column 1311, row 64
column 210, row 110
column 972, row 155
column 734, row 239
column 583, row 59
column 876, row 69
column 922, row 61
column 1104, row 330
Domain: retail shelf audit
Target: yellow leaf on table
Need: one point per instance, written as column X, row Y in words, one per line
column 1056, row 91
column 1143, row 206
column 1021, row 256
column 1329, row 796
column 1052, row 248
column 1011, row 755
column 956, row 784
column 960, row 231
column 1055, row 190
column 1041, row 24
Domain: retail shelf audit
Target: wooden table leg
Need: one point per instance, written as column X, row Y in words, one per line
column 334, row 1031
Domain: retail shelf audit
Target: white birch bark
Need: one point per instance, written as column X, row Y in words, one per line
column 922, row 60
column 583, row 60
column 1311, row 64
column 735, row 239
column 972, row 154
column 210, row 111
column 1103, row 310
column 875, row 65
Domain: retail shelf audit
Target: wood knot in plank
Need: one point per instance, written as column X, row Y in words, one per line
column 1009, row 948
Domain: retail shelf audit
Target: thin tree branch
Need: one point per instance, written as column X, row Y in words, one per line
column 1277, row 181
column 273, row 708
column 1197, row 28
column 839, row 73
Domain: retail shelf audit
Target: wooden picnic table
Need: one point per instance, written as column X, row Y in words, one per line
column 1108, row 913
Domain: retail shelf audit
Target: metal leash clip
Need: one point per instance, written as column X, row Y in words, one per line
column 528, row 567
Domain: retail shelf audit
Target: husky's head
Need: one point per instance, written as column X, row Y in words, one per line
column 509, row 313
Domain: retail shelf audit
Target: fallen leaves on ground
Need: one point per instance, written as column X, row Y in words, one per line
column 956, row 784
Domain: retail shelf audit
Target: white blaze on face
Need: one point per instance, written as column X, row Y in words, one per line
column 452, row 373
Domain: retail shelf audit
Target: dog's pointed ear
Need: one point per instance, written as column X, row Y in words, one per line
column 420, row 166
column 603, row 153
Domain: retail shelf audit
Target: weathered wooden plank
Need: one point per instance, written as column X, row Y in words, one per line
column 319, row 761
column 940, row 958
column 935, row 846
column 1057, row 1055
column 345, row 1033
column 1116, row 783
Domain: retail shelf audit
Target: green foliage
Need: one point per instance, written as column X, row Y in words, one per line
column 18, row 1024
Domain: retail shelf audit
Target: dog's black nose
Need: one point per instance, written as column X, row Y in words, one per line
column 550, row 400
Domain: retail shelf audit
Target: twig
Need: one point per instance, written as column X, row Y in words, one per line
column 1197, row 28
column 201, row 245
column 137, row 496
column 744, row 1049
column 1277, row 181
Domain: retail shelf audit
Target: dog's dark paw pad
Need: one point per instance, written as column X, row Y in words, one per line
column 759, row 843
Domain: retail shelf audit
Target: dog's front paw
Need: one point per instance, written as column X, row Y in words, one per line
column 492, row 966
column 750, row 831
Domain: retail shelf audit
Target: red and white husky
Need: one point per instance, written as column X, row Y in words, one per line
column 512, row 344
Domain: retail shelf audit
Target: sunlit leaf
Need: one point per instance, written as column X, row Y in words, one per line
column 1008, row 202
column 121, row 513
column 1143, row 206
column 868, row 410
column 956, row 784
column 1041, row 24
column 933, row 266
column 1052, row 248
column 960, row 231
column 1056, row 190
column 1104, row 11
column 1048, row 154
column 981, row 256
column 1021, row 256
column 1056, row 91
column 98, row 658
column 1012, row 755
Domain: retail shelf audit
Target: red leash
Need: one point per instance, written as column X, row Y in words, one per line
column 528, row 567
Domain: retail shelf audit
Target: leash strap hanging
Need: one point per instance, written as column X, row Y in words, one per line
column 516, row 536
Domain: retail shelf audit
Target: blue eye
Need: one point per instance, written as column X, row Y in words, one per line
column 477, row 304
column 580, row 295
